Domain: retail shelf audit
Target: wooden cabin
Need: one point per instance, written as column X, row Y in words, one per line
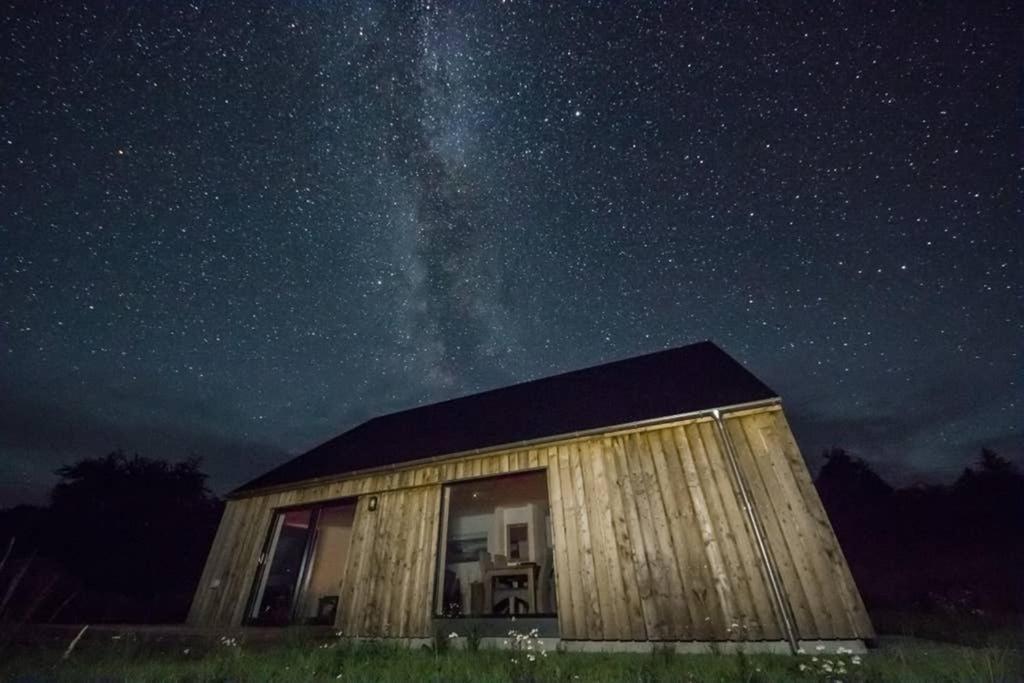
column 658, row 498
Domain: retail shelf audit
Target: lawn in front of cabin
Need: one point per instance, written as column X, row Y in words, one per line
column 110, row 658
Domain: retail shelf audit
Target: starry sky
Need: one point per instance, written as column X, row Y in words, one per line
column 235, row 229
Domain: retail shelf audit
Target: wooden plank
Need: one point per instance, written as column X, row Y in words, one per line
column 654, row 618
column 623, row 549
column 392, row 542
column 678, row 544
column 533, row 458
column 723, row 611
column 615, row 621
column 425, row 567
column 774, row 496
column 241, row 568
column 353, row 591
column 442, row 551
column 702, row 557
column 597, row 595
column 858, row 624
column 666, row 587
column 580, row 603
column 405, row 559
column 372, row 623
column 415, row 577
column 755, row 569
column 840, row 600
column 754, row 617
column 563, row 575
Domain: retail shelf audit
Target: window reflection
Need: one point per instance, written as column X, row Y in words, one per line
column 497, row 554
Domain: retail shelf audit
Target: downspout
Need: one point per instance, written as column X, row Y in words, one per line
column 779, row 600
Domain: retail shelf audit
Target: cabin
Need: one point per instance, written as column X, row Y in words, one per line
column 657, row 499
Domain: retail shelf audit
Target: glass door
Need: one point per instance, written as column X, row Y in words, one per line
column 302, row 566
column 283, row 561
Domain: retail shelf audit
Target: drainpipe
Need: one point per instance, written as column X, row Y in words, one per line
column 779, row 600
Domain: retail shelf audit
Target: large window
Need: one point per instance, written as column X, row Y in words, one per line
column 495, row 557
column 302, row 566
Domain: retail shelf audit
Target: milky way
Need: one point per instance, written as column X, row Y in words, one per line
column 235, row 229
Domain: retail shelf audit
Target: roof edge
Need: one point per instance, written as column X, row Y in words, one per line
column 241, row 492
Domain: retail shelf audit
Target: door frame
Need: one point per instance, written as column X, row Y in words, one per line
column 270, row 545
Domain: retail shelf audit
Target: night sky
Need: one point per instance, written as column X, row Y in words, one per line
column 236, row 229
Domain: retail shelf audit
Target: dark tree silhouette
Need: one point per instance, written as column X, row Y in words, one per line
column 957, row 547
column 132, row 532
column 850, row 485
column 130, row 524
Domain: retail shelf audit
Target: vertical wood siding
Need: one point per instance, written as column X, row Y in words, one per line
column 816, row 576
column 652, row 541
column 388, row 588
column 649, row 524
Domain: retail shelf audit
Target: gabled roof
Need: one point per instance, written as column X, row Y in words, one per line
column 662, row 384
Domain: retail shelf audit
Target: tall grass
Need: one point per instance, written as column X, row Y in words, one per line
column 376, row 662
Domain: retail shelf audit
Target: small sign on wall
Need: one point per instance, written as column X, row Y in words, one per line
column 371, row 505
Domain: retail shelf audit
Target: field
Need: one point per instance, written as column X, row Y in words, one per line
column 112, row 657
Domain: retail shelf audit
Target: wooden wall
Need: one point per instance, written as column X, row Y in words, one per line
column 652, row 540
column 815, row 574
column 652, row 526
column 230, row 569
column 388, row 587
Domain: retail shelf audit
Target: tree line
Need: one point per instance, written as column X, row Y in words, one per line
column 956, row 548
column 123, row 539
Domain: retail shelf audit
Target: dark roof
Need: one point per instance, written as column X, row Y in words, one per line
column 672, row 382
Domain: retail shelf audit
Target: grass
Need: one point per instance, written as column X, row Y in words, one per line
column 127, row 659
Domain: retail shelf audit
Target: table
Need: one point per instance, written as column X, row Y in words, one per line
column 525, row 569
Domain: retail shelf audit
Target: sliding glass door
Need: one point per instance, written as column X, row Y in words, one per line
column 302, row 566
